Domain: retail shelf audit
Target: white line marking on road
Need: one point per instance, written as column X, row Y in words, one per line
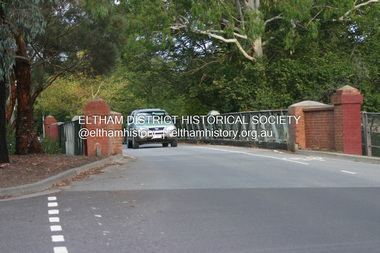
column 60, row 250
column 251, row 154
column 53, row 211
column 55, row 228
column 348, row 172
column 52, row 204
column 98, row 216
column 310, row 158
column 54, row 219
column 57, row 238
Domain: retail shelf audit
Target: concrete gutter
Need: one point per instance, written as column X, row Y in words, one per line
column 340, row 156
column 49, row 182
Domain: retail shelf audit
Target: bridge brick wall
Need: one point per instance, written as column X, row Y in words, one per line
column 104, row 125
column 319, row 128
column 335, row 127
column 102, row 144
column 51, row 127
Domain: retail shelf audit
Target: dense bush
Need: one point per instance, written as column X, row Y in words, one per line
column 51, row 146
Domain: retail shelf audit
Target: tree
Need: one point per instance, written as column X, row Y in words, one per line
column 4, row 157
column 67, row 96
column 250, row 54
column 247, row 24
column 73, row 41
column 19, row 20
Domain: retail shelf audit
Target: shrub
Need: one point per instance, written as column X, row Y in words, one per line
column 51, row 146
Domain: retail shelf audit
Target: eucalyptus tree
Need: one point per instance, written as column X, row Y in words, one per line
column 73, row 40
column 256, row 53
column 20, row 21
column 247, row 24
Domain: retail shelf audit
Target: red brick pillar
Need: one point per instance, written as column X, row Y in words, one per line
column 51, row 130
column 297, row 132
column 116, row 125
column 347, row 116
column 97, row 114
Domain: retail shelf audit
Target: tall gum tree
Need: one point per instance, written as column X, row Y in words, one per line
column 26, row 138
column 20, row 21
column 247, row 24
column 74, row 40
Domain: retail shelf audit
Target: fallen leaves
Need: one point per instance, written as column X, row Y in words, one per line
column 27, row 169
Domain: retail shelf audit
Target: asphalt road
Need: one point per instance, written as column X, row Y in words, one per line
column 204, row 199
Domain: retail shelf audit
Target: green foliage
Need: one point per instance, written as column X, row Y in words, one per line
column 66, row 97
column 308, row 52
column 17, row 18
column 51, row 146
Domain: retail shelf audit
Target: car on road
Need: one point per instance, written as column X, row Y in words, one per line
column 151, row 125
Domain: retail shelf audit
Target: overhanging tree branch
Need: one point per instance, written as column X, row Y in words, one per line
column 212, row 34
column 71, row 68
column 272, row 19
column 357, row 7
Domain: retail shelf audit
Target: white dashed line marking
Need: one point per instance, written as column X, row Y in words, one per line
column 54, row 219
column 55, row 228
column 251, row 154
column 60, row 250
column 57, row 238
column 53, row 211
column 98, row 216
column 348, row 172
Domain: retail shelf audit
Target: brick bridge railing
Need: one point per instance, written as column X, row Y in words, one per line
column 333, row 127
column 99, row 127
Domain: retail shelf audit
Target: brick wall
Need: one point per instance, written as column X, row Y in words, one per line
column 348, row 134
column 99, row 120
column 318, row 127
column 106, row 126
column 335, row 127
column 297, row 133
column 51, row 127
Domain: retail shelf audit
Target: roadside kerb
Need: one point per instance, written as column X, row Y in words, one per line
column 49, row 182
column 339, row 156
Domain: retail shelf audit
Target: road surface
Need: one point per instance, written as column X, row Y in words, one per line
column 196, row 198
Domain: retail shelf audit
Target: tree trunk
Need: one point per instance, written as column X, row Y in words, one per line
column 258, row 48
column 4, row 156
column 26, row 138
column 12, row 99
column 254, row 5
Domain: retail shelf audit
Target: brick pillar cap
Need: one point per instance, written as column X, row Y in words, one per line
column 49, row 116
column 58, row 123
column 307, row 103
column 75, row 118
column 347, row 87
column 97, row 99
